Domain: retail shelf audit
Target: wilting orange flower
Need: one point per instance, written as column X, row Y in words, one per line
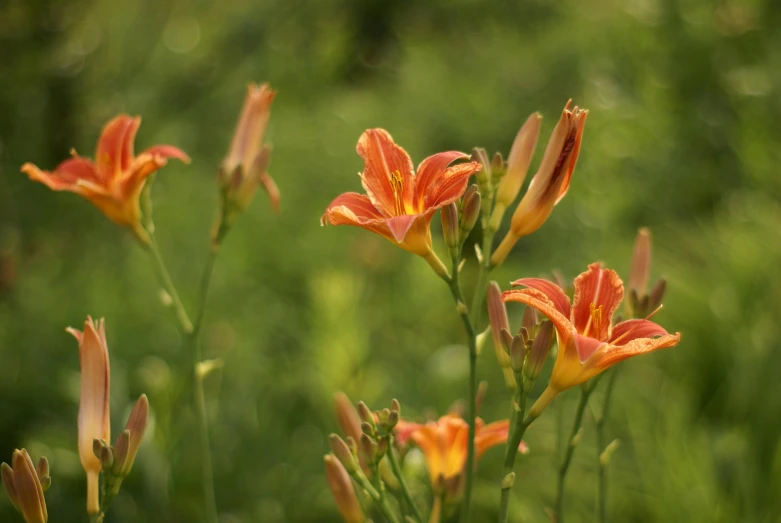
column 398, row 203
column 113, row 182
column 588, row 342
column 94, row 422
column 246, row 165
column 444, row 444
column 551, row 182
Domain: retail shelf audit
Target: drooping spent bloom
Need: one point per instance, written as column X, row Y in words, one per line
column 444, row 445
column 25, row 484
column 399, row 203
column 588, row 341
column 113, row 182
column 246, row 165
column 94, row 422
column 550, row 183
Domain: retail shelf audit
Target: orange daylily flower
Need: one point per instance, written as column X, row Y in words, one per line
column 113, row 182
column 551, row 182
column 444, row 444
column 399, row 203
column 588, row 341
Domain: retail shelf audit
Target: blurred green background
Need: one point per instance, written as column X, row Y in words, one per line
column 682, row 137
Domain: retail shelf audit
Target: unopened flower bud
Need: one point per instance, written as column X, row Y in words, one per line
column 507, row 340
column 450, row 225
column 469, row 214
column 395, row 406
column 508, row 481
column 42, row 470
column 366, row 414
column 604, row 458
column 382, row 447
column 539, row 350
column 136, row 427
column 497, row 315
column 21, row 483
column 368, row 449
column 347, row 416
column 576, row 438
column 641, row 262
column 367, row 428
column 393, row 419
column 121, row 446
column 517, row 166
column 529, row 320
column 342, row 489
column 206, row 367
column 551, row 182
column 656, row 295
column 483, row 175
column 517, row 353
column 497, row 163
column 106, row 457
column 342, row 453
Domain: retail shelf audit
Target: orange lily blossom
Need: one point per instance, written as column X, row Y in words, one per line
column 113, row 182
column 398, row 203
column 444, row 445
column 588, row 342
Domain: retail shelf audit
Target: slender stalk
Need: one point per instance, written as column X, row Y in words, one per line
column 377, row 494
column 394, row 462
column 585, row 392
column 191, row 334
column 482, row 272
column 602, row 467
column 519, row 426
column 182, row 318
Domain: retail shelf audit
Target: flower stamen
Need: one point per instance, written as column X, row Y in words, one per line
column 397, row 183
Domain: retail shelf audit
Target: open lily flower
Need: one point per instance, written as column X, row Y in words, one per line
column 113, row 182
column 588, row 342
column 444, row 444
column 398, row 203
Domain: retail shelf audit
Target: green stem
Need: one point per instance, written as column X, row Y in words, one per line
column 404, row 488
column 377, row 494
column 585, row 392
column 519, row 426
column 482, row 273
column 185, row 324
column 207, row 472
column 600, row 430
column 471, row 334
column 191, row 334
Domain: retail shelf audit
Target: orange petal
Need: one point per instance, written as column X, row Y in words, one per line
column 491, row 435
column 601, row 288
column 587, row 346
column 115, row 148
column 387, row 174
column 630, row 330
column 579, row 122
column 168, row 151
column 540, row 301
column 450, row 185
column 430, row 171
column 66, row 176
column 614, row 354
column 551, row 290
column 400, row 225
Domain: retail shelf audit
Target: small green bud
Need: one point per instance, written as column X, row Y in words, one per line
column 342, row 453
column 469, row 214
column 366, row 414
column 517, row 353
column 539, row 351
column 604, row 458
column 450, row 225
column 508, row 481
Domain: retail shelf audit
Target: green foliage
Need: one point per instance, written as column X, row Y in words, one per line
column 682, row 137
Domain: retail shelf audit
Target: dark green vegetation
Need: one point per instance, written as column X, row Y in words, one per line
column 682, row 137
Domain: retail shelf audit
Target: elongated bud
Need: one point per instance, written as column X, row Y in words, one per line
column 106, row 457
column 469, row 214
column 395, row 406
column 508, row 481
column 450, row 225
column 604, row 458
column 497, row 315
column 507, row 340
column 539, row 350
column 23, row 487
column 136, row 427
column 366, row 414
column 551, row 182
column 206, row 367
column 517, row 353
column 497, row 163
column 342, row 489
column 517, row 164
column 347, row 416
column 368, row 448
column 121, row 446
column 342, row 453
column 529, row 320
column 656, row 295
column 42, row 469
column 483, row 175
column 641, row 262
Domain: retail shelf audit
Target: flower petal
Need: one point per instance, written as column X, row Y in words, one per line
column 387, row 174
column 430, row 171
column 551, row 290
column 450, row 185
column 630, row 330
column 587, row 346
column 540, row 301
column 491, row 435
column 168, row 151
column 66, row 176
column 114, row 153
column 400, row 225
column 596, row 287
column 614, row 354
column 356, row 209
